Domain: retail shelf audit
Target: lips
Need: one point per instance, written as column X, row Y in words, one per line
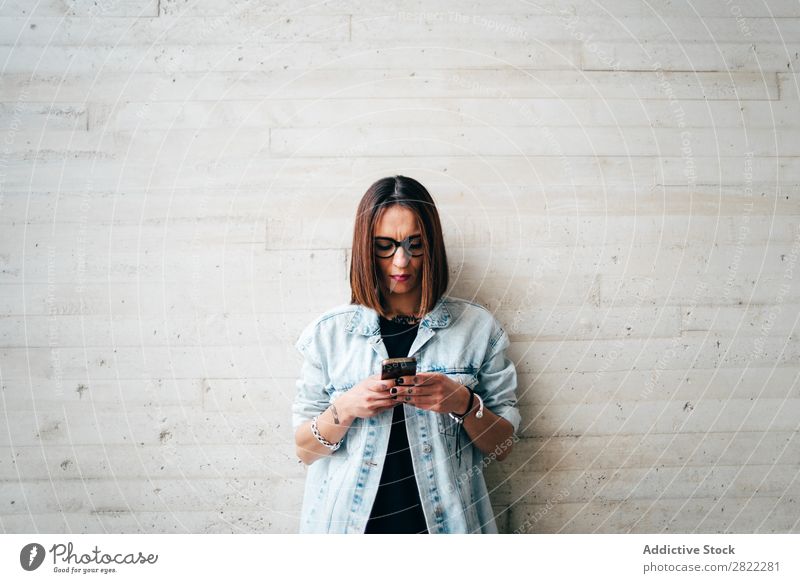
column 401, row 277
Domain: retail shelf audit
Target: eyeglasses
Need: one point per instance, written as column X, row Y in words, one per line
column 386, row 247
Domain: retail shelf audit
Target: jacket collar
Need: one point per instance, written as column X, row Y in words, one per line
column 366, row 321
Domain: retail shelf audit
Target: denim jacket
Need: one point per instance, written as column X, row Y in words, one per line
column 343, row 346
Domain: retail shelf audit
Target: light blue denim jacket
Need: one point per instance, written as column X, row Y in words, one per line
column 343, row 346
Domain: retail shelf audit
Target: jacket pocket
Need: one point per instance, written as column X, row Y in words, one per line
column 467, row 379
column 464, row 374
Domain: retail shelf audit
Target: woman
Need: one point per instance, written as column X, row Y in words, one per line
column 402, row 455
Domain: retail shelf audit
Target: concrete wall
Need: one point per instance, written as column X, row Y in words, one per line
column 618, row 183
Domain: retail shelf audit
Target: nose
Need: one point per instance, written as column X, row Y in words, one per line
column 401, row 258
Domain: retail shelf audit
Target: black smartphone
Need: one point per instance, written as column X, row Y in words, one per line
column 391, row 368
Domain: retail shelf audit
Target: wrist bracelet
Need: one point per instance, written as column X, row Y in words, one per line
column 322, row 440
column 460, row 418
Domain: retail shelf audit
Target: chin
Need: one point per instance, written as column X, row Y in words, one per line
column 402, row 287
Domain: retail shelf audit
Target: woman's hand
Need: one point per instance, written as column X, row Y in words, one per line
column 433, row 391
column 366, row 399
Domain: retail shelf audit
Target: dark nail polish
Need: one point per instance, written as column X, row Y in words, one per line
column 400, row 381
column 393, row 390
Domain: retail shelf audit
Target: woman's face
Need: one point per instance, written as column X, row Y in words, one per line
column 398, row 222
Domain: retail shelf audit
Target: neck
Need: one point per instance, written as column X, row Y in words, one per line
column 405, row 305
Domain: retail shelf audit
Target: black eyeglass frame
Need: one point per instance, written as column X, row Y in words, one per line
column 405, row 244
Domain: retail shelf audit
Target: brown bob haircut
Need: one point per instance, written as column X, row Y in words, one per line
column 382, row 194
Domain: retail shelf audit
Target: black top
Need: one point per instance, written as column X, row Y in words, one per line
column 397, row 508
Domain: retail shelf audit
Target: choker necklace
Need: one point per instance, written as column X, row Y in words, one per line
column 400, row 319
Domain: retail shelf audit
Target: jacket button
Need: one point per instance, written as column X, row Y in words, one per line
column 426, row 447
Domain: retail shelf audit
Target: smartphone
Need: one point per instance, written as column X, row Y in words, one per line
column 391, row 368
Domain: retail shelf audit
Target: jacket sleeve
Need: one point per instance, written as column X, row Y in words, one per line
column 311, row 398
column 497, row 379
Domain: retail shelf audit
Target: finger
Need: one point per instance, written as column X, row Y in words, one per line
column 414, row 399
column 402, row 391
column 419, row 402
column 416, row 390
column 385, row 396
column 382, row 387
column 407, row 380
column 422, row 400
column 391, row 404
column 410, row 379
column 419, row 379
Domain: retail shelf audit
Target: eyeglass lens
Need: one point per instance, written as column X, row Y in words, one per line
column 386, row 247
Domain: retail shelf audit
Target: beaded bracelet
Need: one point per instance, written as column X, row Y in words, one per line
column 322, row 440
